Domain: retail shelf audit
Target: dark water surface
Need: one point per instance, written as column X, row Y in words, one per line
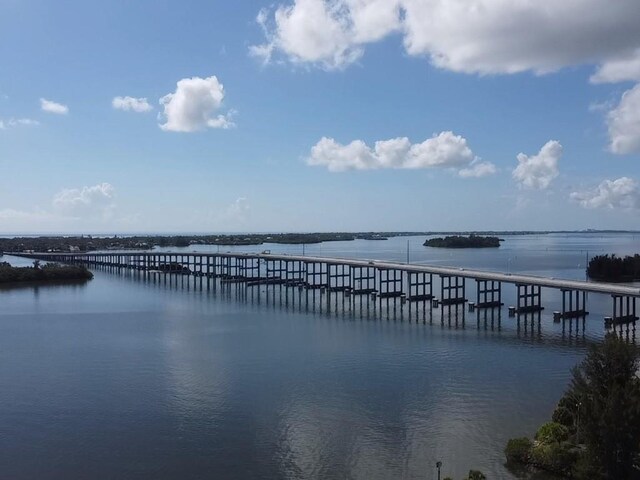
column 126, row 378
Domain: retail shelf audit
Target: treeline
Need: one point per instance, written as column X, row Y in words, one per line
column 457, row 241
column 87, row 243
column 595, row 429
column 611, row 268
column 47, row 273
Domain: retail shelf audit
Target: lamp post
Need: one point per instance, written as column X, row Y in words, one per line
column 438, row 465
column 407, row 252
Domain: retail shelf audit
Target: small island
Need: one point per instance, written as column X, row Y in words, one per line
column 49, row 273
column 611, row 268
column 457, row 241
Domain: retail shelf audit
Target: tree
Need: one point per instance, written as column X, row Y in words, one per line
column 605, row 400
column 552, row 432
column 476, row 475
column 518, row 450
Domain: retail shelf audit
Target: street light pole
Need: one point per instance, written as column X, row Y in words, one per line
column 438, row 465
column 407, row 252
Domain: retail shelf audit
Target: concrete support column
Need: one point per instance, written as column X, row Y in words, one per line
column 452, row 290
column 488, row 294
column 529, row 298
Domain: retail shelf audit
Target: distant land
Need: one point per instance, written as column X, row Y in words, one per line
column 459, row 241
column 85, row 243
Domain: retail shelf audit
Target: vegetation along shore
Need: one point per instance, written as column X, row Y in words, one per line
column 50, row 272
column 594, row 432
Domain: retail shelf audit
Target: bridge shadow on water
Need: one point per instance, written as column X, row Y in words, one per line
column 499, row 322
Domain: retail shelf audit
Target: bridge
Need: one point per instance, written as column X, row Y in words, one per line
column 377, row 280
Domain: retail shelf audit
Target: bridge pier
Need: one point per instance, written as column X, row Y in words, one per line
column 529, row 298
column 276, row 271
column 229, row 268
column 295, row 272
column 249, row 269
column 576, row 301
column 316, row 275
column 389, row 283
column 339, row 277
column 452, row 290
column 488, row 294
column 363, row 280
column 624, row 311
column 420, row 286
column 218, row 266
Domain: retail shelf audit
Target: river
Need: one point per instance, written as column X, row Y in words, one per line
column 125, row 378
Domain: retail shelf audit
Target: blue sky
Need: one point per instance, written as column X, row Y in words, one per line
column 262, row 116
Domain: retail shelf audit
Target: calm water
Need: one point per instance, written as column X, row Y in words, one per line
column 126, row 378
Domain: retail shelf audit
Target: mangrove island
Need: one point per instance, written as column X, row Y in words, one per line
column 458, row 241
column 50, row 272
column 610, row 268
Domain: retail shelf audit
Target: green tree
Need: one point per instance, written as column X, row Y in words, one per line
column 518, row 450
column 476, row 475
column 552, row 432
column 606, row 392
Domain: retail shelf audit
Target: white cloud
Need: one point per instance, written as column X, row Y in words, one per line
column 193, row 105
column 445, row 150
column 624, row 123
column 622, row 193
column 131, row 104
column 80, row 202
column 53, row 107
column 478, row 169
column 319, row 32
column 485, row 36
column 90, row 207
column 239, row 209
column 619, row 69
column 538, row 171
column 15, row 122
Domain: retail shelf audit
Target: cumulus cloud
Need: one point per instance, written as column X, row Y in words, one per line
column 445, row 150
column 53, row 107
column 622, row 193
column 16, row 122
column 485, row 37
column 90, row 207
column 331, row 34
column 619, row 69
column 78, row 202
column 239, row 209
column 128, row 104
column 624, row 123
column 478, row 169
column 538, row 171
column 193, row 106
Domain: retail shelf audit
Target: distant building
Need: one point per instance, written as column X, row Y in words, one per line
column 74, row 248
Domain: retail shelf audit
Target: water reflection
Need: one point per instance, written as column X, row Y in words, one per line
column 36, row 287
